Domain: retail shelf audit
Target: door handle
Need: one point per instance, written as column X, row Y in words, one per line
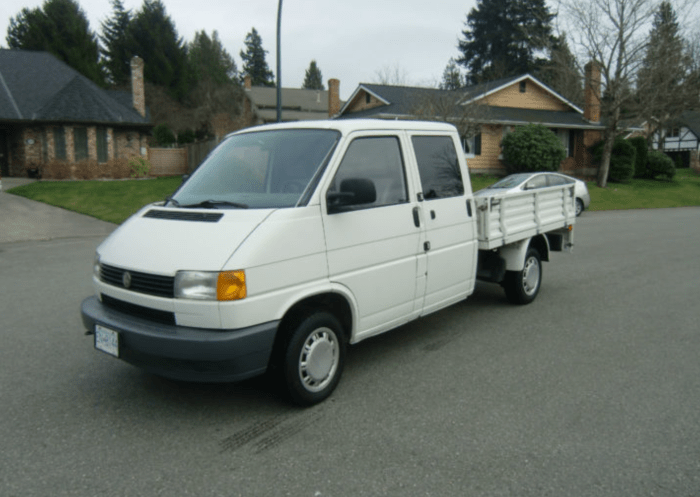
column 416, row 217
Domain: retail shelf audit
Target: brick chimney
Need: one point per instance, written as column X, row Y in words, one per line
column 591, row 108
column 333, row 97
column 247, row 82
column 137, row 89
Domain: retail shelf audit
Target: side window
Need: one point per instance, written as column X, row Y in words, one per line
column 553, row 180
column 379, row 160
column 539, row 181
column 438, row 167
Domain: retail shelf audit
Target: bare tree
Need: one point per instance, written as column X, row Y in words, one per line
column 391, row 75
column 452, row 106
column 613, row 34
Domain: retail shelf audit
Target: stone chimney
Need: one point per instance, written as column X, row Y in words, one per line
column 247, row 82
column 138, row 92
column 333, row 97
column 591, row 108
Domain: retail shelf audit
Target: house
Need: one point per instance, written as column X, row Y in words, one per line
column 485, row 113
column 57, row 123
column 260, row 106
column 681, row 141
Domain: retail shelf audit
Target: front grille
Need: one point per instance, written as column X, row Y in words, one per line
column 138, row 311
column 151, row 284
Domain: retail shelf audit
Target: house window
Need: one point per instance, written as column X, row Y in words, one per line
column 565, row 136
column 368, row 98
column 673, row 133
column 80, row 143
column 59, row 143
column 506, row 130
column 101, row 145
column 523, row 86
column 471, row 145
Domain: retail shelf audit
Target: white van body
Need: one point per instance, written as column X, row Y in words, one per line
column 362, row 244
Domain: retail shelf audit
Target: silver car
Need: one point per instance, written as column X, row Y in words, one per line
column 530, row 181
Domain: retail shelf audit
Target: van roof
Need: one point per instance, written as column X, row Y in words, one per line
column 349, row 125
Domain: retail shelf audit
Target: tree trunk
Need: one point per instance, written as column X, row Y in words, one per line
column 605, row 160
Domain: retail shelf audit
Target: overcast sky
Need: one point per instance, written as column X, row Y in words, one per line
column 350, row 40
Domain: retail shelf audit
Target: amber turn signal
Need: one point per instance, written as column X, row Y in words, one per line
column 231, row 286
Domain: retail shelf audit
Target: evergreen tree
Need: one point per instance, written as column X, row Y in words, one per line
column 254, row 63
column 154, row 38
column 61, row 28
column 451, row 77
column 561, row 72
column 313, row 80
column 115, row 39
column 665, row 86
column 217, row 89
column 209, row 59
column 503, row 38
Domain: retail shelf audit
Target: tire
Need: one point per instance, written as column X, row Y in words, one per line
column 313, row 359
column 579, row 207
column 522, row 287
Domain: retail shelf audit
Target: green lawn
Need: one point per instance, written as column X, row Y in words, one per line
column 112, row 201
column 115, row 201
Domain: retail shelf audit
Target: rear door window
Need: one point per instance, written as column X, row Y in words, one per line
column 438, row 167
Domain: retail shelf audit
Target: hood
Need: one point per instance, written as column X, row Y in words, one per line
column 161, row 240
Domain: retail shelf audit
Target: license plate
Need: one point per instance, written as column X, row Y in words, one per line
column 107, row 340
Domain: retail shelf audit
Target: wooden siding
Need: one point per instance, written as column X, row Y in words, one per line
column 360, row 103
column 534, row 97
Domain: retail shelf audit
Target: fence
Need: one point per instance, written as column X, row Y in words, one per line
column 167, row 161
column 196, row 153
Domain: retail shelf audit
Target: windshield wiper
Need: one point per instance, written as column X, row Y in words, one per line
column 211, row 204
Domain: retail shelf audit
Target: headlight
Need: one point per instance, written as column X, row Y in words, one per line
column 96, row 266
column 205, row 285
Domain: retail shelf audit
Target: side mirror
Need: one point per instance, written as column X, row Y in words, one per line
column 185, row 177
column 353, row 191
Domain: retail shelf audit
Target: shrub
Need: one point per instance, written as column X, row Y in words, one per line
column 185, row 136
column 661, row 164
column 621, row 159
column 640, row 160
column 139, row 167
column 56, row 169
column 163, row 135
column 532, row 148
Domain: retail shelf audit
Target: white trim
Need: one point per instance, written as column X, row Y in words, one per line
column 356, row 92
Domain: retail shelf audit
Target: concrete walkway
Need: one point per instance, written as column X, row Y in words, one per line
column 22, row 219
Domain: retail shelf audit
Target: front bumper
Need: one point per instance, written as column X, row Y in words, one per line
column 184, row 353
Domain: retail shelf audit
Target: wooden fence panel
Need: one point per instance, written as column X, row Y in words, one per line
column 167, row 161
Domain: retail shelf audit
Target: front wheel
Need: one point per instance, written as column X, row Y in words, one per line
column 522, row 287
column 579, row 207
column 314, row 359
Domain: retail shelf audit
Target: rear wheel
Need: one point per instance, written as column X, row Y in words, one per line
column 579, row 207
column 522, row 287
column 314, row 358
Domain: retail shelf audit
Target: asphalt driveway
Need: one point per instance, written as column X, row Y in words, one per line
column 22, row 219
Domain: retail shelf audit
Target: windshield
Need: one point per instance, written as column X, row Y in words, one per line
column 510, row 181
column 265, row 169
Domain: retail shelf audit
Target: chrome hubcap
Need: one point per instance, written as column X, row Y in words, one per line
column 531, row 276
column 318, row 360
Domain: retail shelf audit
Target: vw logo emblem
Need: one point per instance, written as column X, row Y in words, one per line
column 126, row 279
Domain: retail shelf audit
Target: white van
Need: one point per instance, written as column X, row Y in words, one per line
column 292, row 240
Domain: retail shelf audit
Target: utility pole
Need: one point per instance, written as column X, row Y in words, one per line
column 279, row 63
